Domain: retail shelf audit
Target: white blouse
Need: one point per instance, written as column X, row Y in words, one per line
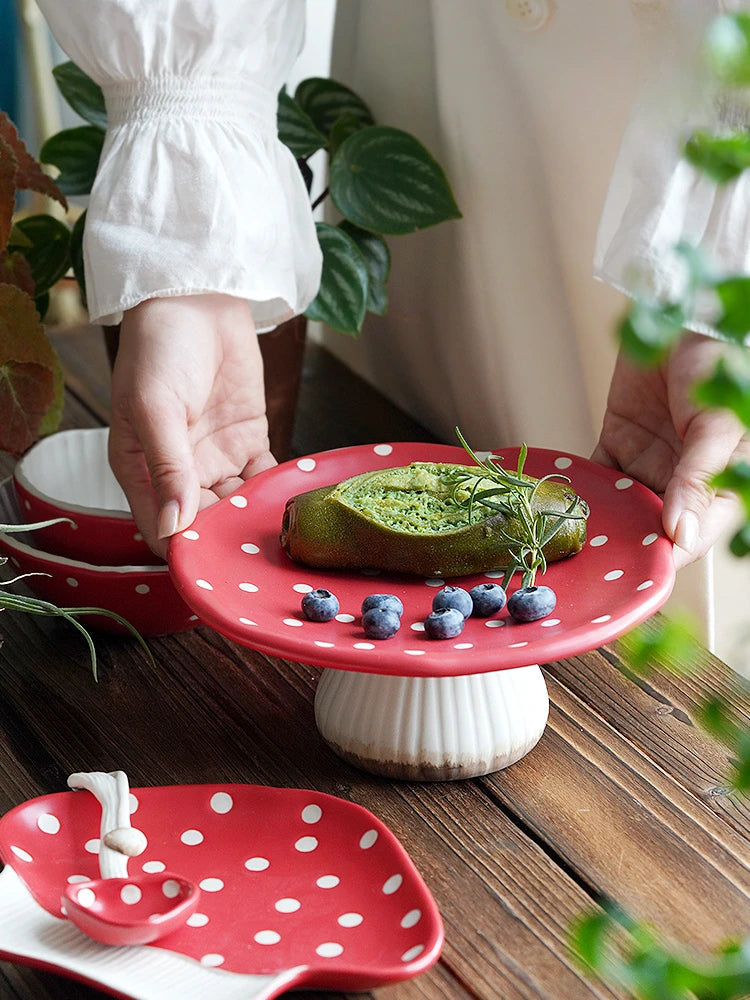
column 195, row 192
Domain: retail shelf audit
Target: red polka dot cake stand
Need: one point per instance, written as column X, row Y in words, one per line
column 297, row 888
column 410, row 706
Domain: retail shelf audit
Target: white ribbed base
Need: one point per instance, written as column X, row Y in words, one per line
column 432, row 728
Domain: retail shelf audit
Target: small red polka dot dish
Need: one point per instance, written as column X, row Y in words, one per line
column 297, row 889
column 230, row 568
column 144, row 595
column 68, row 475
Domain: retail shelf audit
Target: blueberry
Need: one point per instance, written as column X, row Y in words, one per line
column 531, row 603
column 445, row 623
column 487, row 598
column 453, row 597
column 380, row 623
column 320, row 605
column 389, row 601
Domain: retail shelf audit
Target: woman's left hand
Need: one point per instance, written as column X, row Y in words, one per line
column 653, row 431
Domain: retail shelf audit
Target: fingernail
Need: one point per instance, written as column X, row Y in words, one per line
column 686, row 535
column 169, row 519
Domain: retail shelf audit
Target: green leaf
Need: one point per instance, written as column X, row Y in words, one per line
column 17, row 239
column 727, row 49
column 83, row 95
column 716, row 718
column 53, row 416
column 649, row 330
column 739, row 543
column 735, row 478
column 384, row 180
column 296, row 129
column 722, row 158
column 734, row 295
column 75, row 152
column 345, row 126
column 342, row 298
column 325, row 101
column 588, row 938
column 49, row 253
column 377, row 259
column 666, row 642
column 76, row 254
column 728, row 386
column 41, row 304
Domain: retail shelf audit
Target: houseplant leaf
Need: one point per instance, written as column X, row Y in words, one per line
column 341, row 301
column 49, row 253
column 83, row 95
column 76, row 254
column 296, row 129
column 29, row 174
column 75, row 152
column 734, row 295
column 8, row 168
column 325, row 101
column 721, row 157
column 384, row 180
column 16, row 270
column 377, row 259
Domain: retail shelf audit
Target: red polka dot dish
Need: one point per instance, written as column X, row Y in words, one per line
column 297, row 888
column 231, row 569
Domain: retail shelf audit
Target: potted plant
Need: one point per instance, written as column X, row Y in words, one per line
column 381, row 180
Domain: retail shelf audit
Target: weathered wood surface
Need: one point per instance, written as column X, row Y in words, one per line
column 625, row 797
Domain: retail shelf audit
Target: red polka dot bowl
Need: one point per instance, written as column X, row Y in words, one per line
column 144, row 595
column 68, row 475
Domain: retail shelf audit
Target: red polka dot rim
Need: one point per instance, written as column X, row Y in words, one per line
column 230, row 568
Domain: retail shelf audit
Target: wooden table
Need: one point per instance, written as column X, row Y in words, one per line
column 624, row 797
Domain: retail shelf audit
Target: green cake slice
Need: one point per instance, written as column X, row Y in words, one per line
column 421, row 519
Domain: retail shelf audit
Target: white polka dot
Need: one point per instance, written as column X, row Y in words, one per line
column 392, row 884
column 417, row 626
column 383, row 449
column 27, row 505
column 614, row 574
column 257, row 864
column 267, row 937
column 287, row 905
column 600, row 619
column 350, row 919
column 415, row 652
column 133, row 803
column 171, row 888
column 302, row 588
column 549, row 622
column 212, row 960
column 463, row 645
column 364, row 645
column 142, row 588
column 311, row 813
column 329, row 949
column 211, row 884
column 324, row 645
column 221, row 802
column 137, row 537
column 20, row 853
column 193, row 536
column 191, row 837
column 517, row 645
column 412, row 953
column 650, row 539
column 85, row 897
column 645, row 585
column 306, row 464
column 495, row 574
column 247, row 621
column 249, row 588
column 328, row 881
column 306, row 844
column 203, row 584
column 345, row 618
column 623, row 484
column 72, row 879
column 250, row 548
column 71, row 581
column 92, row 846
column 563, row 463
column 48, row 823
column 412, row 917
column 238, row 502
column 130, row 894
column 293, row 622
column 494, row 623
column 435, row 581
column 368, row 839
column 598, row 540
column 197, row 920
column 153, row 867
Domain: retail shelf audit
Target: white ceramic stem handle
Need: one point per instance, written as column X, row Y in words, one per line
column 118, row 839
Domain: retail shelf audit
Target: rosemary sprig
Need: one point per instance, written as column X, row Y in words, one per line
column 513, row 494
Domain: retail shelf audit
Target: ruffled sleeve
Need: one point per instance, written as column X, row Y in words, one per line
column 656, row 199
column 194, row 192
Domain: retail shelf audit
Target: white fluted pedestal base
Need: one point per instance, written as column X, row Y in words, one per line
column 432, row 728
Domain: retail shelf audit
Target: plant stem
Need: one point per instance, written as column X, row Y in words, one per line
column 321, row 197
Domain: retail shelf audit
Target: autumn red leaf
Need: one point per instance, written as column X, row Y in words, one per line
column 29, row 174
column 8, row 167
column 16, row 270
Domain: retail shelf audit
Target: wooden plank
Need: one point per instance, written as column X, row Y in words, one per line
column 627, row 828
